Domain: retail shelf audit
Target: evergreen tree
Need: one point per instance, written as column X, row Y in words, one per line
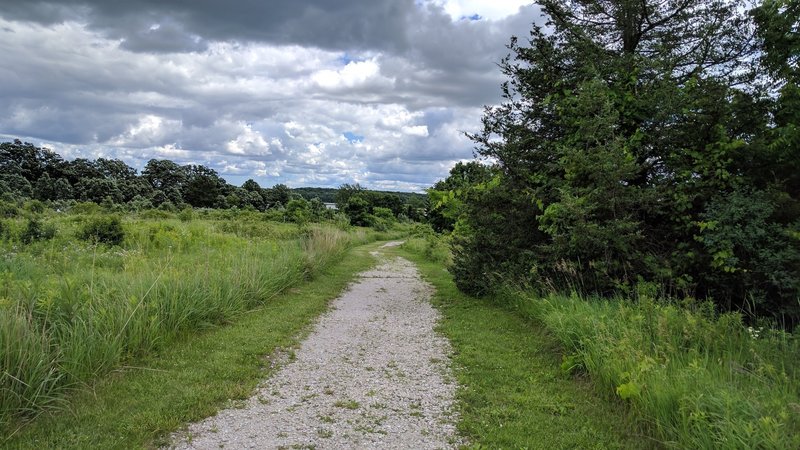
column 629, row 129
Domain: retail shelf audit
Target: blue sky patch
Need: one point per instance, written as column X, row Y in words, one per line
column 352, row 137
column 347, row 58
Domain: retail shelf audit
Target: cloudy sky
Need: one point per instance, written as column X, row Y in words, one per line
column 306, row 93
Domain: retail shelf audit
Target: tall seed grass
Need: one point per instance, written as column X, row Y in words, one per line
column 71, row 311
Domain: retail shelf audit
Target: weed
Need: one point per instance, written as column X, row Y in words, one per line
column 347, row 404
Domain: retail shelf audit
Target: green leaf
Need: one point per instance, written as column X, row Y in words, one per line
column 628, row 390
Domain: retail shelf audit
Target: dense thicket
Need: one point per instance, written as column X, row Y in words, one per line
column 328, row 195
column 30, row 172
column 642, row 141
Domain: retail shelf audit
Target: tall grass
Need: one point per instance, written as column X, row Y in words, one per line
column 697, row 379
column 423, row 241
column 72, row 310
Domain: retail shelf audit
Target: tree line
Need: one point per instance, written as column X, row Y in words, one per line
column 640, row 144
column 31, row 172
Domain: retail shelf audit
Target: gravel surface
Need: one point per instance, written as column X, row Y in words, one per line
column 372, row 374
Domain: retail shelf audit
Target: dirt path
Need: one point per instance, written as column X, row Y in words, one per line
column 372, row 374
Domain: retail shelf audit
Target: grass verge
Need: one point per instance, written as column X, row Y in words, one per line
column 513, row 391
column 137, row 406
column 691, row 377
column 695, row 379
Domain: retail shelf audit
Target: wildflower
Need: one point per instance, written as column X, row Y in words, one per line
column 755, row 332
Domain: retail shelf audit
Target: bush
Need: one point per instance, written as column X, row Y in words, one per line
column 140, row 203
column 275, row 215
column 357, row 209
column 383, row 213
column 298, row 211
column 35, row 206
column 35, row 231
column 8, row 209
column 341, row 221
column 754, row 260
column 186, row 215
column 167, row 206
column 105, row 229
column 378, row 224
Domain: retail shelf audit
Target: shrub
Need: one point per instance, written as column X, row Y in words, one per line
column 140, row 203
column 186, row 214
column 35, row 206
column 383, row 213
column 357, row 209
column 754, row 260
column 298, row 211
column 8, row 209
column 167, row 206
column 104, row 229
column 35, row 231
column 341, row 221
column 275, row 215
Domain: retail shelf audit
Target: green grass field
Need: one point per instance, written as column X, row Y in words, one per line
column 137, row 407
column 74, row 310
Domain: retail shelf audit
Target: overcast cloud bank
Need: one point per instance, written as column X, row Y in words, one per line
column 377, row 92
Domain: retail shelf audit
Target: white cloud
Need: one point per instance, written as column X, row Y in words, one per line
column 149, row 130
column 248, row 142
column 493, row 10
column 355, row 74
column 418, row 130
column 170, row 151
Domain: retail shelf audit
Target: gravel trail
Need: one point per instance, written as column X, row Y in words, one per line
column 372, row 374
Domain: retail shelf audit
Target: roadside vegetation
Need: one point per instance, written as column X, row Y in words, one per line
column 512, row 390
column 637, row 196
column 672, row 162
column 690, row 377
column 140, row 403
column 85, row 290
